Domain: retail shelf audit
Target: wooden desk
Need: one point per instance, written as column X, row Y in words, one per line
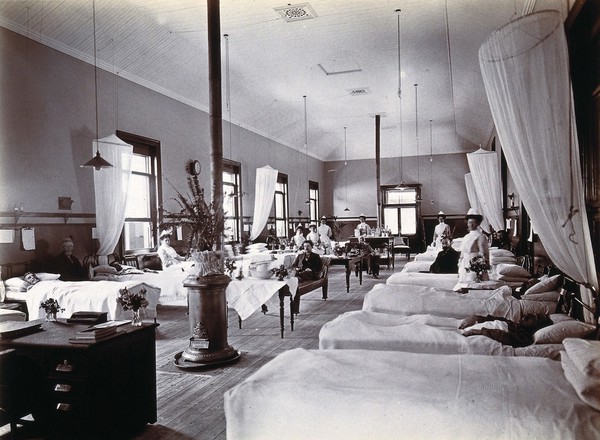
column 102, row 390
column 349, row 262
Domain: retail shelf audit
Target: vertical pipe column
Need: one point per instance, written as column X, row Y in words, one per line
column 215, row 104
column 378, row 165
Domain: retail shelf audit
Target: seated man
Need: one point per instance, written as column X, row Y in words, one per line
column 447, row 259
column 516, row 334
column 307, row 265
column 67, row 264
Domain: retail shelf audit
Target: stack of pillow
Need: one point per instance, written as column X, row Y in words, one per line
column 498, row 256
column 581, row 364
column 256, row 248
column 511, row 273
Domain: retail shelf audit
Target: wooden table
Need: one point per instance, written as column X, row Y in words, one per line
column 105, row 389
column 249, row 294
column 349, row 262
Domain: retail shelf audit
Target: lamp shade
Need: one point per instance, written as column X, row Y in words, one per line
column 97, row 162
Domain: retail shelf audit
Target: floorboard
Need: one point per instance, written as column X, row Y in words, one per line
column 190, row 403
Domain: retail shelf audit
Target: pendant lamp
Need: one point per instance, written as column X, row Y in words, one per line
column 97, row 162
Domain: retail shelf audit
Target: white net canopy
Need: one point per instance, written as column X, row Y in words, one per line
column 525, row 68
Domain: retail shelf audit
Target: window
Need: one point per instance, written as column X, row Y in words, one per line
column 232, row 200
column 280, row 206
column 313, row 200
column 400, row 210
column 142, row 197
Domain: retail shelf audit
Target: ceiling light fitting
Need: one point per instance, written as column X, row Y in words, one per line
column 97, row 162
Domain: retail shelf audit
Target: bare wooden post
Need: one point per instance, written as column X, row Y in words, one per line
column 378, row 166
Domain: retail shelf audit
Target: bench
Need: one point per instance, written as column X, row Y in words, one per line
column 307, row 286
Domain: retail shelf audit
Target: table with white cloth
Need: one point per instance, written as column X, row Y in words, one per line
column 249, row 294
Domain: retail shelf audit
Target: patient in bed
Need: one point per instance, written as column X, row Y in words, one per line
column 30, row 279
column 168, row 256
column 515, row 334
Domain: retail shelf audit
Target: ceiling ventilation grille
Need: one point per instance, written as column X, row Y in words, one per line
column 358, row 92
column 298, row 12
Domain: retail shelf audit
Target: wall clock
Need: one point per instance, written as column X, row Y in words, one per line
column 194, row 167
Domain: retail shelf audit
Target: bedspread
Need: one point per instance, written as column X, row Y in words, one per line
column 416, row 334
column 358, row 395
column 93, row 296
column 410, row 300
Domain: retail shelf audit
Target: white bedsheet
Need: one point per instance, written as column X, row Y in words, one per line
column 411, row 300
column 359, row 395
column 93, row 296
column 416, row 334
column 439, row 280
column 169, row 281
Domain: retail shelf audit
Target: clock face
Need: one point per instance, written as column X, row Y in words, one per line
column 195, row 167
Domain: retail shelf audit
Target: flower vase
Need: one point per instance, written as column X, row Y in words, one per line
column 136, row 320
column 50, row 316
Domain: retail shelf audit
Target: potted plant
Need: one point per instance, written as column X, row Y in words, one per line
column 204, row 225
column 207, row 303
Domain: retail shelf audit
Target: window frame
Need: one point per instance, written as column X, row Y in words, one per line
column 386, row 190
column 313, row 201
column 235, row 169
column 282, row 179
column 150, row 148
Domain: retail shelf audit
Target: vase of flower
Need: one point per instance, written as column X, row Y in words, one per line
column 136, row 320
column 51, row 307
column 134, row 301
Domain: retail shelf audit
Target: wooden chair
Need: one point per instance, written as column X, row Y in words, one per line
column 401, row 246
column 307, row 286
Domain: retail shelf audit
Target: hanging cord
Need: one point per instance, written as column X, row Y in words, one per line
column 431, row 158
column 572, row 211
column 417, row 135
column 346, row 166
column 400, row 100
column 95, row 69
column 450, row 68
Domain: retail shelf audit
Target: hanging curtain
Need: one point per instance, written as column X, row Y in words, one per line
column 266, row 178
column 486, row 180
column 110, row 187
column 525, row 67
column 474, row 201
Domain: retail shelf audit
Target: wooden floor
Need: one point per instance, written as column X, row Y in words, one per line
column 190, row 403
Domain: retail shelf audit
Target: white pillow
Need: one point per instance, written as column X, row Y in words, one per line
column 106, row 269
column 556, row 333
column 14, row 282
column 545, row 296
column 417, row 266
column 545, row 285
column 560, row 317
column 586, row 387
column 585, row 355
column 501, row 253
column 512, row 270
column 46, row 276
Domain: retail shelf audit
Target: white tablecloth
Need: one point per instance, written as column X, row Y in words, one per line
column 248, row 294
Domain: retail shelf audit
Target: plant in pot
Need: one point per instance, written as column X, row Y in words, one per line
column 203, row 224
